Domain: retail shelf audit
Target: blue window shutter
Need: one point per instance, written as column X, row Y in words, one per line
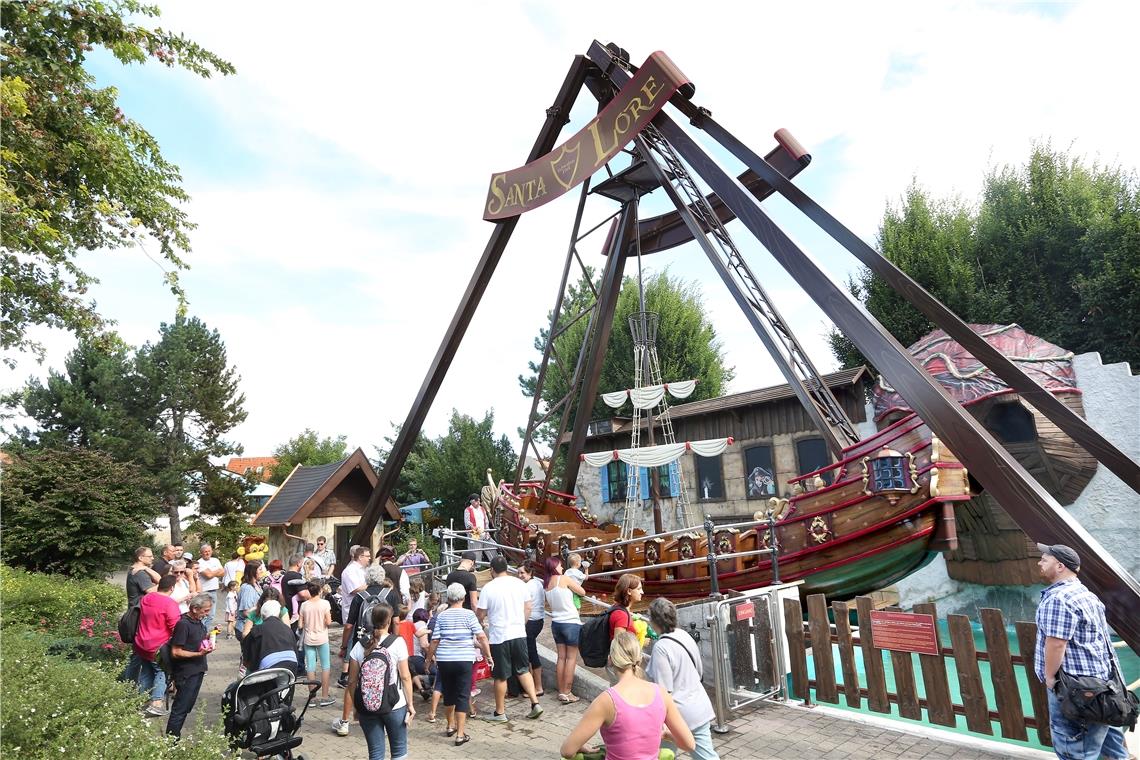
column 675, row 479
column 605, row 479
column 644, row 474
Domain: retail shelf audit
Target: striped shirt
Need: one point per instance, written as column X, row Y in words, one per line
column 455, row 630
column 1071, row 612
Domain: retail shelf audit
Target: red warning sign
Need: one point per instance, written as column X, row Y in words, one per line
column 904, row 632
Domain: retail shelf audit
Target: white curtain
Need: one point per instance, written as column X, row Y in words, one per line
column 655, row 456
column 651, row 395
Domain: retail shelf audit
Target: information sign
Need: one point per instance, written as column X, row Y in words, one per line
column 904, row 632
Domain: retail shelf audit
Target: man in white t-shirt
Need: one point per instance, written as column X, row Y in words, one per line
column 231, row 569
column 504, row 605
column 210, row 572
column 351, row 580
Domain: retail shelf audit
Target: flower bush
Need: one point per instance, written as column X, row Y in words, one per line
column 54, row 602
column 56, row 707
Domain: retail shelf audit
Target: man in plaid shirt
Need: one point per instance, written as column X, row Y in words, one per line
column 1072, row 634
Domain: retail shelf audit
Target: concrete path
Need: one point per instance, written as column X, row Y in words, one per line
column 767, row 731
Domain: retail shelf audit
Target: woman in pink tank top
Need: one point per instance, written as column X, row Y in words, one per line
column 629, row 714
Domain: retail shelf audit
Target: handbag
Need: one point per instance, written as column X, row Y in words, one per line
column 1088, row 699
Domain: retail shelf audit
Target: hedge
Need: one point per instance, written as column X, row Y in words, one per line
column 55, row 602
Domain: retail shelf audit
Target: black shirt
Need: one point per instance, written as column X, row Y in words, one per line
column 288, row 591
column 159, row 566
column 271, row 637
column 358, row 601
column 189, row 634
column 137, row 585
column 466, row 579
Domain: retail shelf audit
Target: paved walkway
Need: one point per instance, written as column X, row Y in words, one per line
column 766, row 731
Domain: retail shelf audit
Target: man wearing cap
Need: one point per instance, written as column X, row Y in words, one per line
column 475, row 520
column 1072, row 634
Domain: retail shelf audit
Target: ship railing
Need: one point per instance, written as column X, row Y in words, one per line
column 448, row 535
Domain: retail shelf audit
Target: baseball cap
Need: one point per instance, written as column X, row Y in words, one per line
column 187, row 556
column 1063, row 554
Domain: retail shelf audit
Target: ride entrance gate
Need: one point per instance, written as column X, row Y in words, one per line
column 749, row 650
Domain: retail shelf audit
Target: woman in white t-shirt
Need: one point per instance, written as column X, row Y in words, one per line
column 536, row 594
column 314, row 619
column 395, row 723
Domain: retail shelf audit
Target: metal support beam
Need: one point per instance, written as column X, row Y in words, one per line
column 556, row 116
column 603, row 323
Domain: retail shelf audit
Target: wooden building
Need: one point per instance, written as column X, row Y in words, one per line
column 324, row 500
column 773, row 440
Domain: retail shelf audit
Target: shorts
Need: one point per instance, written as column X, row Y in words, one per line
column 533, row 628
column 313, row 652
column 510, row 659
column 456, row 678
column 566, row 633
column 417, row 665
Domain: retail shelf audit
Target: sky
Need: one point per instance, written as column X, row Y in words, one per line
column 337, row 180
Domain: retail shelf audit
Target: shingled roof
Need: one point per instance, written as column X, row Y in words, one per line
column 307, row 487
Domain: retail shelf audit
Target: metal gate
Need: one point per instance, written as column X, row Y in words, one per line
column 747, row 643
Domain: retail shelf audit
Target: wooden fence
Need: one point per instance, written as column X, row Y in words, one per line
column 819, row 634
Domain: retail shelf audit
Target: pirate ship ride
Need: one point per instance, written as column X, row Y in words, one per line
column 886, row 499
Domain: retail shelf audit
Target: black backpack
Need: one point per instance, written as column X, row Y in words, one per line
column 594, row 639
column 363, row 629
column 129, row 625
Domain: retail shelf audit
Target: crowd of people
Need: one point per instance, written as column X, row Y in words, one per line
column 431, row 644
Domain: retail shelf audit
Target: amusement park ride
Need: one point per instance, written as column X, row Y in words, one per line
column 887, row 502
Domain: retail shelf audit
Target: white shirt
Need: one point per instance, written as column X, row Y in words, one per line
column 232, row 568
column 475, row 519
column 504, row 599
column 182, row 595
column 350, row 580
column 562, row 609
column 399, row 652
column 212, row 564
column 537, row 598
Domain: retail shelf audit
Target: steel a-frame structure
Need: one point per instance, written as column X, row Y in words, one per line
column 605, row 70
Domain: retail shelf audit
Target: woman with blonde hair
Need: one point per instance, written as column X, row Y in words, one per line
column 629, row 715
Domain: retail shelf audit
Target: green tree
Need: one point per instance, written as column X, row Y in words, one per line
column 405, row 491
column 687, row 344
column 192, row 395
column 75, row 173
column 451, row 467
column 1053, row 245
column 307, row 449
column 73, row 510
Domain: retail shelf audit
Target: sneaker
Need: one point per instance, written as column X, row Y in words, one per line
column 535, row 710
column 476, row 692
column 326, row 702
column 495, row 717
column 154, row 712
column 342, row 682
column 340, row 727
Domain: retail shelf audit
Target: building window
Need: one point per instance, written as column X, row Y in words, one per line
column 811, row 455
column 759, row 475
column 710, row 478
column 614, row 482
column 1011, row 423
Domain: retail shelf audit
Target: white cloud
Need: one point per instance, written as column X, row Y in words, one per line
column 370, row 131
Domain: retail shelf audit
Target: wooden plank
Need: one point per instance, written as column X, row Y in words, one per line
column 872, row 659
column 797, row 651
column 1006, row 695
column 846, row 653
column 821, row 655
column 903, row 666
column 969, row 676
column 1027, row 643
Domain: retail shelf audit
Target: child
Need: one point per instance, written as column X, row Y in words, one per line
column 579, row 574
column 314, row 620
column 231, row 608
column 419, row 596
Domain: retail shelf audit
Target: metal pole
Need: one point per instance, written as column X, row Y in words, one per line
column 714, row 589
column 775, row 550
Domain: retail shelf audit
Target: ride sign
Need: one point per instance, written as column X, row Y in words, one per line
column 520, row 190
column 904, row 632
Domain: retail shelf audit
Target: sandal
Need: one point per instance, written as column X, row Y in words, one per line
column 567, row 699
column 431, row 718
column 451, row 731
column 459, row 740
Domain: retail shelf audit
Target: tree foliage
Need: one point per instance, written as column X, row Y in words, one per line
column 687, row 344
column 73, row 510
column 75, row 172
column 453, row 466
column 192, row 396
column 307, row 449
column 1054, row 245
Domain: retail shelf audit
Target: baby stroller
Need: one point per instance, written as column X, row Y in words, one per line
column 259, row 713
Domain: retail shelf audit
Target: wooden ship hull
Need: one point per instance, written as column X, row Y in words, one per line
column 840, row 539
